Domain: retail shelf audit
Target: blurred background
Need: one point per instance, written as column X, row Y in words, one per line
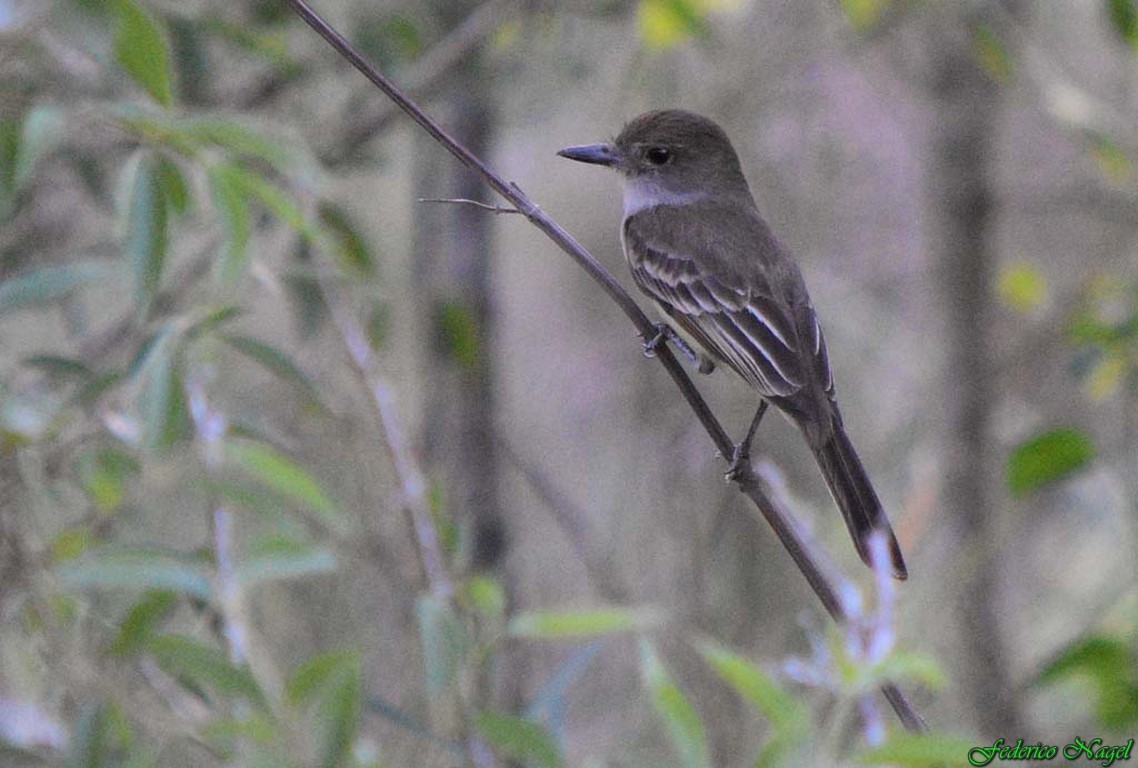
column 297, row 469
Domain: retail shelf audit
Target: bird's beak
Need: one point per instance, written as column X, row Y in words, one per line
column 597, row 154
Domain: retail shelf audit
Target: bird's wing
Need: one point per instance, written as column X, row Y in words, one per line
column 735, row 316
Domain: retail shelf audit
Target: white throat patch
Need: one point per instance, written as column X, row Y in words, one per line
column 641, row 194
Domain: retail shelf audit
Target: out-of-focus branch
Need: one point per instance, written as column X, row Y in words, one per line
column 412, row 484
column 747, row 480
column 423, row 78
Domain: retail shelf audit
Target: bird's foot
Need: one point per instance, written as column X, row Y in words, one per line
column 740, row 457
column 664, row 334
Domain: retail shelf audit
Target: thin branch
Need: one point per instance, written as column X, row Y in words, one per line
column 424, row 77
column 411, row 480
column 747, row 480
column 467, row 201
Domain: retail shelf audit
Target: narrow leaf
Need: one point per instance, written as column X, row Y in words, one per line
column 287, row 478
column 930, row 750
column 229, row 198
column 338, row 714
column 520, row 739
column 1046, row 458
column 575, row 624
column 679, row 716
column 131, row 569
column 279, row 566
column 163, row 398
column 48, row 284
column 42, row 132
column 142, row 620
column 351, row 249
column 236, row 139
column 146, row 232
column 172, row 182
column 275, row 361
column 445, row 642
column 312, row 676
column 141, row 50
column 204, row 666
column 754, row 685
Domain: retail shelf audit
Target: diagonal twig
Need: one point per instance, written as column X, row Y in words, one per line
column 747, row 480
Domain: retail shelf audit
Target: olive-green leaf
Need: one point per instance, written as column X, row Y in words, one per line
column 784, row 711
column 556, row 625
column 163, row 398
column 228, row 194
column 173, row 184
column 141, row 50
column 204, row 666
column 139, row 625
column 275, row 361
column 287, row 478
column 680, row 718
column 146, row 232
column 523, row 740
column 350, row 247
column 923, row 750
column 1045, row 458
column 1124, row 18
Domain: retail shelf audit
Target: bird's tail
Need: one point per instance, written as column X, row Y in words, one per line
column 855, row 497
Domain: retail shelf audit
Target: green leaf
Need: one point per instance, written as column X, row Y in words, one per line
column 522, row 740
column 283, row 564
column 204, row 667
column 925, row 750
column 331, row 681
column 551, row 625
column 141, row 50
column 175, row 190
column 666, row 23
column 1111, row 666
column 1045, row 458
column 991, row 54
column 863, row 15
column 458, row 334
column 275, row 361
column 141, row 621
column 134, row 569
column 679, row 716
column 229, row 198
column 48, row 284
column 1022, row 286
column 163, row 397
column 487, row 595
column 287, row 478
column 350, row 248
column 58, row 368
column 313, row 676
column 783, row 711
column 146, row 232
column 42, row 132
column 445, row 642
column 1124, row 19
column 104, row 473
column 236, row 139
column 338, row 714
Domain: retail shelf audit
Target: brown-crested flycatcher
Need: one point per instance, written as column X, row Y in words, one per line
column 698, row 247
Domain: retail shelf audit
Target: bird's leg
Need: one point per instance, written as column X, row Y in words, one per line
column 742, row 453
column 664, row 334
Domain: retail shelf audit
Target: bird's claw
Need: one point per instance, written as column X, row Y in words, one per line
column 740, row 457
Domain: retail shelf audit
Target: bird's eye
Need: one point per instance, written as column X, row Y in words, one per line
column 658, row 155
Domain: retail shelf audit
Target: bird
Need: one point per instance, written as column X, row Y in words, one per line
column 731, row 293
